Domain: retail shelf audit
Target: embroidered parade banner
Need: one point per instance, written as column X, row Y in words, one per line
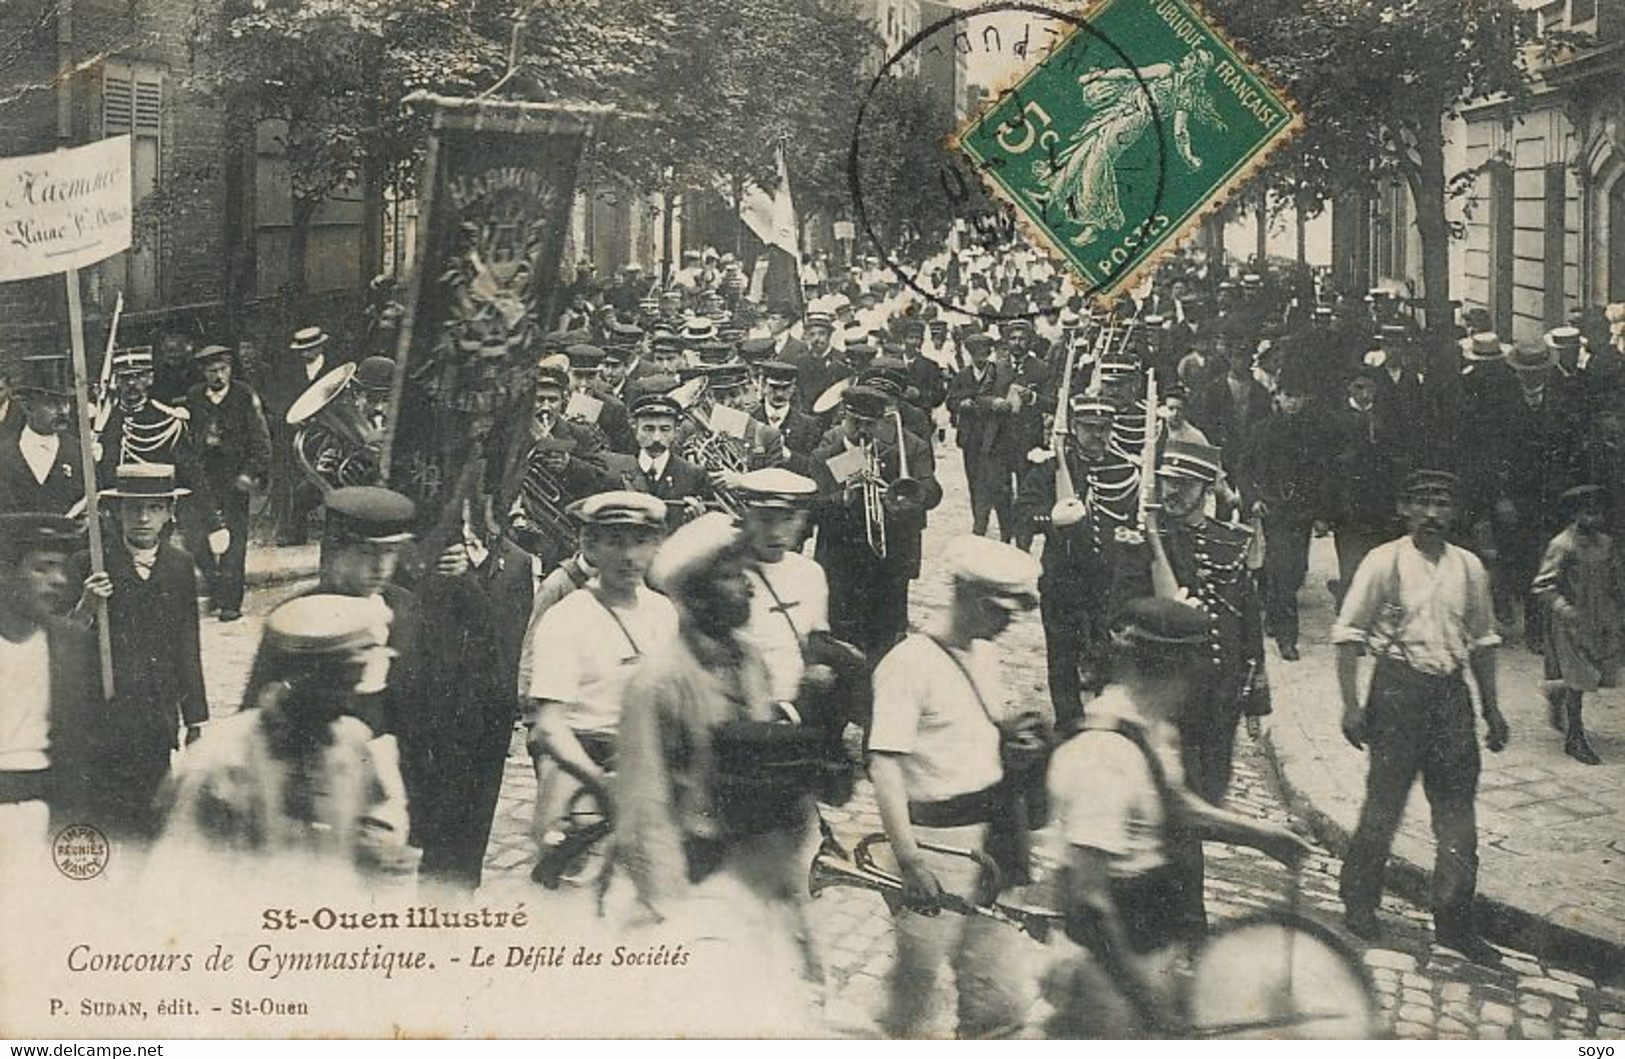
column 500, row 181
column 64, row 210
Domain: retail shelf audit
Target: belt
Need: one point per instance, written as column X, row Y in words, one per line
column 32, row 786
column 962, row 810
column 1385, row 660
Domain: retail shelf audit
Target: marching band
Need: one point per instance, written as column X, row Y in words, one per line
column 694, row 596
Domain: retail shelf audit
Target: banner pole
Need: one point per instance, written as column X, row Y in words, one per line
column 87, row 451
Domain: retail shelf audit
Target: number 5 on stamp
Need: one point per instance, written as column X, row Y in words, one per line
column 1144, row 87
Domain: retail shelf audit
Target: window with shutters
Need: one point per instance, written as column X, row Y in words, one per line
column 133, row 104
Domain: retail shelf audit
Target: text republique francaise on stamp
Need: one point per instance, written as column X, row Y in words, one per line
column 1125, row 135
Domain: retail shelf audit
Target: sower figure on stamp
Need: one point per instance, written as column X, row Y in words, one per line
column 150, row 588
column 235, row 454
column 1204, row 561
column 1582, row 582
column 1421, row 607
column 943, row 750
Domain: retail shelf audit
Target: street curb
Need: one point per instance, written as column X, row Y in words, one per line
column 1501, row 922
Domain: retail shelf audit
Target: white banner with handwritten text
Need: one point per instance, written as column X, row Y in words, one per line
column 67, row 209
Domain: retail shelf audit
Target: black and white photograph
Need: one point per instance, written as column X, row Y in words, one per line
column 812, row 520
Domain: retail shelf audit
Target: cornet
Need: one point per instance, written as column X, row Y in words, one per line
column 878, row 496
column 831, row 867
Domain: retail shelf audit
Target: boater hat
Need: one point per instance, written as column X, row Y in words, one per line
column 145, row 481
column 308, row 338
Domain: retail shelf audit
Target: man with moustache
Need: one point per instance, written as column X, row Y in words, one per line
column 41, row 468
column 1421, row 607
column 656, row 470
column 801, row 432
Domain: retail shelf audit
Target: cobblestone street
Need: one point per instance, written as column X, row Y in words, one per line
column 1426, row 991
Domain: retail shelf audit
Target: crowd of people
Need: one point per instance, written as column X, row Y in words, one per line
column 697, row 600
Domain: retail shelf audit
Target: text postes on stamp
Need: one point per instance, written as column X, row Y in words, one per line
column 1111, row 162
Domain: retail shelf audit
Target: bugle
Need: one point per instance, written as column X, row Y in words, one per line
column 832, row 867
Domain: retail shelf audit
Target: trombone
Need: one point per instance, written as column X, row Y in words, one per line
column 832, row 867
column 878, row 495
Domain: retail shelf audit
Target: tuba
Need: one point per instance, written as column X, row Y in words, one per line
column 540, row 519
column 334, row 445
column 879, row 496
column 714, row 451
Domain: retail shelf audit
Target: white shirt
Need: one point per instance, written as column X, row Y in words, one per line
column 1102, row 791
column 25, row 708
column 652, row 466
column 927, row 711
column 313, row 368
column 216, row 396
column 144, row 558
column 582, row 657
column 39, row 452
column 776, row 416
column 1431, row 616
column 779, row 629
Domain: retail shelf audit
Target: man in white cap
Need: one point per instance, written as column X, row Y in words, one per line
column 939, row 743
column 592, row 641
column 301, row 780
column 714, row 781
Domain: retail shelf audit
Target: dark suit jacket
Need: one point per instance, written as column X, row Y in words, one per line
column 930, row 385
column 283, row 380
column 970, row 402
column 232, row 437
column 843, row 549
column 63, row 487
column 682, row 480
column 800, row 430
column 157, row 661
column 1215, row 415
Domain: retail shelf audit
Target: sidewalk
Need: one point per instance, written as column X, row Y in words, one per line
column 1551, row 830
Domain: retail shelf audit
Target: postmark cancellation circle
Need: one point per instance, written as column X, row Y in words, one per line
column 80, row 851
column 872, row 156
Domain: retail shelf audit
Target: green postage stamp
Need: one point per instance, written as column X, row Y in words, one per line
column 1125, row 135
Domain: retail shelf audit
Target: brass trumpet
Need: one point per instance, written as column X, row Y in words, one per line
column 878, row 495
column 832, row 867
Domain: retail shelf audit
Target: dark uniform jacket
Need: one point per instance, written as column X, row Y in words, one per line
column 1210, row 562
column 842, row 530
column 681, row 479
column 929, row 383
column 1364, row 470
column 814, row 374
column 64, row 484
column 284, row 379
column 232, row 437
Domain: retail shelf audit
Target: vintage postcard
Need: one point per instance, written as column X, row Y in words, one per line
column 879, row 519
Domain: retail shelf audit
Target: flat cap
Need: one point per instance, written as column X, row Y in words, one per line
column 665, row 342
column 862, row 402
column 1002, row 571
column 623, row 507
column 24, row 531
column 714, row 352
column 652, row 404
column 1164, row 621
column 584, row 356
column 775, row 487
column 1576, row 496
column 213, row 352
column 692, row 552
column 1190, row 460
column 552, row 377
column 369, row 513
column 977, row 343
column 756, row 349
column 1428, row 481
column 727, row 376
column 327, row 624
column 779, row 372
